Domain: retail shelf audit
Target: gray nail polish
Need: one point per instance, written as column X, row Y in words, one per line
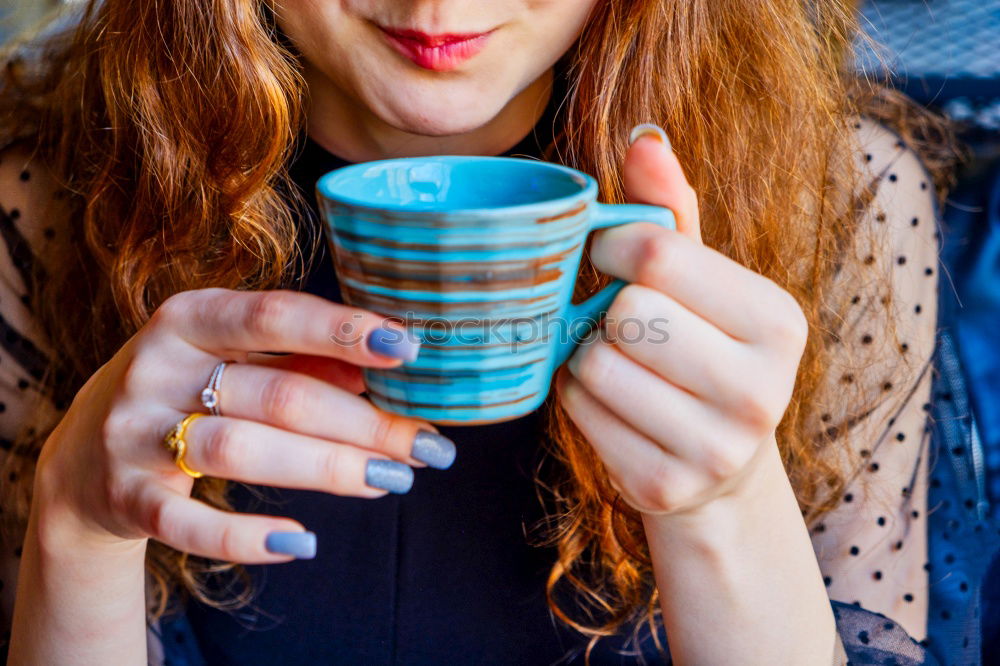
column 300, row 544
column 396, row 477
column 394, row 343
column 434, row 449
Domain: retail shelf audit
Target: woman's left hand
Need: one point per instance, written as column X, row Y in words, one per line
column 681, row 419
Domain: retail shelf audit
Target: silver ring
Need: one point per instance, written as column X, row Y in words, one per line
column 210, row 394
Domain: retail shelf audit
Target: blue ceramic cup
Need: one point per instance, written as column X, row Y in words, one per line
column 478, row 257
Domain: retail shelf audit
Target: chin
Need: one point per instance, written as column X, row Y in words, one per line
column 438, row 121
column 441, row 114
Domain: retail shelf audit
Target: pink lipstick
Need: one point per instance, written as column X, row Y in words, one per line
column 439, row 53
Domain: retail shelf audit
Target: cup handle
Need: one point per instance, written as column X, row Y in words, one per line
column 584, row 316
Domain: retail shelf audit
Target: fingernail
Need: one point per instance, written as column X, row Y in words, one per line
column 389, row 475
column 394, row 343
column 300, row 544
column 434, row 449
column 648, row 129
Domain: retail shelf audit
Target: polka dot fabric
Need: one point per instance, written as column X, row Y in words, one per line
column 31, row 210
column 872, row 549
column 26, row 203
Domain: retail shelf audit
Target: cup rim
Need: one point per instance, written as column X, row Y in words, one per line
column 588, row 190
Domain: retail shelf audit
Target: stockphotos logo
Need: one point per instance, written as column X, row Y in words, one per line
column 516, row 332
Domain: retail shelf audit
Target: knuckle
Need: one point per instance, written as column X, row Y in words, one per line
column 721, row 462
column 331, row 467
column 789, row 327
column 799, row 326
column 656, row 259
column 283, row 399
column 793, row 329
column 114, row 426
column 174, row 308
column 266, row 312
column 118, row 497
column 716, row 373
column 571, row 395
column 653, row 488
column 386, row 431
column 653, row 496
column 229, row 544
column 139, row 371
column 755, row 409
column 594, row 366
column 162, row 522
column 627, row 303
column 221, row 448
column 347, row 327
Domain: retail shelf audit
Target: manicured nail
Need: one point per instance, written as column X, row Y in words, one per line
column 300, row 544
column 389, row 475
column 649, row 129
column 394, row 343
column 434, row 449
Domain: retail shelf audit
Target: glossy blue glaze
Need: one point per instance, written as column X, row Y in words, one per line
column 478, row 256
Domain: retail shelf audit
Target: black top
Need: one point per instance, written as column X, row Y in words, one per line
column 442, row 573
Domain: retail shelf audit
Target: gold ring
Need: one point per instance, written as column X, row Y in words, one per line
column 174, row 441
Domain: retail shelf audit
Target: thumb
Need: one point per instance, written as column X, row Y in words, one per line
column 653, row 175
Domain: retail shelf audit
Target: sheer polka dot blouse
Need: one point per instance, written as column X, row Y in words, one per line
column 28, row 210
column 871, row 548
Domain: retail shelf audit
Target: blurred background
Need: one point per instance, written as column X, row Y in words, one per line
column 945, row 54
column 18, row 14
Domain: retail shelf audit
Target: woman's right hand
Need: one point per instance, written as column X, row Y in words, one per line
column 293, row 421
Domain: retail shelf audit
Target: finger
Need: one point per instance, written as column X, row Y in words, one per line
column 255, row 453
column 306, row 405
column 642, row 472
column 194, row 527
column 669, row 416
column 660, row 334
column 231, row 323
column 330, row 370
column 653, row 175
column 740, row 302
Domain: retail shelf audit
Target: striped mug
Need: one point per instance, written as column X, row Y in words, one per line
column 477, row 257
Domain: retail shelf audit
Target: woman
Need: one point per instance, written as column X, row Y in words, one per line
column 720, row 489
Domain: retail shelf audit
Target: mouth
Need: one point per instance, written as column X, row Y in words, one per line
column 438, row 53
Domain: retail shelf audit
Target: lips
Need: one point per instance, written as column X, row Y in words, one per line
column 439, row 53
